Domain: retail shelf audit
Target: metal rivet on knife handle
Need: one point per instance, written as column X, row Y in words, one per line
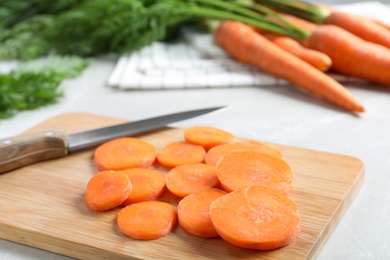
column 23, row 150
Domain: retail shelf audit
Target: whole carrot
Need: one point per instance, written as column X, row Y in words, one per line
column 242, row 43
column 363, row 27
column 317, row 59
column 366, row 28
column 352, row 55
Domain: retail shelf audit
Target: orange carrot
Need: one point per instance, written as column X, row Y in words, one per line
column 315, row 58
column 193, row 212
column 124, row 153
column 107, row 190
column 175, row 154
column 147, row 220
column 207, row 136
column 363, row 27
column 356, row 54
column 244, row 44
column 239, row 169
column 213, row 155
column 147, row 185
column 256, row 217
column 189, row 178
column 360, row 58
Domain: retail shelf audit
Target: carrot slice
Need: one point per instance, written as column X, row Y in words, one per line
column 207, row 136
column 240, row 169
column 147, row 185
column 189, row 178
column 107, row 190
column 193, row 212
column 180, row 153
column 256, row 217
column 147, row 220
column 213, row 155
column 123, row 153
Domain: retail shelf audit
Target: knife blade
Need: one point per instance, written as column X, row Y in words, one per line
column 17, row 152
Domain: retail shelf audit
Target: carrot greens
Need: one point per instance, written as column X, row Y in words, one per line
column 90, row 27
column 308, row 11
column 36, row 84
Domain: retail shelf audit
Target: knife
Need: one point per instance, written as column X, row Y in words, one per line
column 24, row 150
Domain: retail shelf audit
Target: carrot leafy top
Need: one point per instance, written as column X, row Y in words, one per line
column 32, row 28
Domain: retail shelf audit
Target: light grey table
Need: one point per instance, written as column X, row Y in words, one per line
column 280, row 114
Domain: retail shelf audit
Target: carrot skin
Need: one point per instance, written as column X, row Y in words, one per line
column 363, row 27
column 242, row 43
column 360, row 58
column 317, row 59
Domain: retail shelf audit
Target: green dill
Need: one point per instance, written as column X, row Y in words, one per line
column 25, row 41
column 90, row 27
column 36, row 84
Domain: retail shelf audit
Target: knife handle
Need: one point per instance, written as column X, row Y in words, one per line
column 23, row 150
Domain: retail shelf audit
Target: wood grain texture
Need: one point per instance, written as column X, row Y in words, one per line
column 42, row 205
column 27, row 149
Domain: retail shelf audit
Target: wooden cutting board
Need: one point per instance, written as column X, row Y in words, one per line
column 42, row 205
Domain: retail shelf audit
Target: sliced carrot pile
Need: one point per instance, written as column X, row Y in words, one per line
column 216, row 152
column 147, row 220
column 213, row 191
column 180, row 153
column 240, row 169
column 207, row 136
column 107, row 190
column 124, row 153
column 256, row 217
column 193, row 212
column 189, row 178
column 147, row 185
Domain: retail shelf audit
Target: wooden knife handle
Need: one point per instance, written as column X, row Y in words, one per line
column 23, row 150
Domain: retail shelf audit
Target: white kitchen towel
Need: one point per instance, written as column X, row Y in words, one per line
column 197, row 62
